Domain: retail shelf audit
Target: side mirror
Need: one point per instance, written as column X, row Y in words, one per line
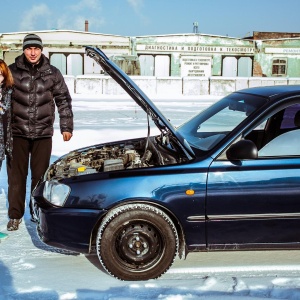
column 243, row 149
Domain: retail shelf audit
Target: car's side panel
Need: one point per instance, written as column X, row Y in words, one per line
column 181, row 190
column 254, row 202
column 68, row 227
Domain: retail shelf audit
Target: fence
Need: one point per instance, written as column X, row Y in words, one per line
column 172, row 86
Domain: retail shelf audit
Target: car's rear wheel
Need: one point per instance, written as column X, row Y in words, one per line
column 137, row 242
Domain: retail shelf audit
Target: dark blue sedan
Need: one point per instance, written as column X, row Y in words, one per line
column 227, row 179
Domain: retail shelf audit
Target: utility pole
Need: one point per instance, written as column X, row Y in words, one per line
column 195, row 28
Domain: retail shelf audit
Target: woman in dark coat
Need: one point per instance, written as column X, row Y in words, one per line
column 6, row 87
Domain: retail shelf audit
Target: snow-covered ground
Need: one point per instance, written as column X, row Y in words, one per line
column 30, row 269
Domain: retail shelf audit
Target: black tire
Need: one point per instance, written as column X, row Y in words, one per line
column 137, row 242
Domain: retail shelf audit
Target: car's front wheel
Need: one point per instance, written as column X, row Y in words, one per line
column 137, row 242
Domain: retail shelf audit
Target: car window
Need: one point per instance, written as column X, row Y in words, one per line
column 209, row 127
column 285, row 139
column 286, row 144
column 288, row 120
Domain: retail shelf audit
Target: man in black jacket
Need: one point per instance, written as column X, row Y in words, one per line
column 39, row 86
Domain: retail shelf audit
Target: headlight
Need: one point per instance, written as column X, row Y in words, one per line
column 56, row 193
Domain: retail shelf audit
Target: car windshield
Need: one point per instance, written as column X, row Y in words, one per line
column 210, row 126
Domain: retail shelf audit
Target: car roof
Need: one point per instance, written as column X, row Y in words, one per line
column 273, row 92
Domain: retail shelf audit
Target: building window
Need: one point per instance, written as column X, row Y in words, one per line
column 237, row 66
column 155, row 65
column 279, row 67
column 68, row 63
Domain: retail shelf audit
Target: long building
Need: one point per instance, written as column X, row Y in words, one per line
column 194, row 54
column 173, row 56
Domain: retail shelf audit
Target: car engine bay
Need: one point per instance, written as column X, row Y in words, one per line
column 140, row 153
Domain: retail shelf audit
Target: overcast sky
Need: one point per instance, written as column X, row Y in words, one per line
column 235, row 18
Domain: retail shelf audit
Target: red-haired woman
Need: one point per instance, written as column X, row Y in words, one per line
column 6, row 87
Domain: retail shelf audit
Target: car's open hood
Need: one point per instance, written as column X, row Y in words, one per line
column 138, row 95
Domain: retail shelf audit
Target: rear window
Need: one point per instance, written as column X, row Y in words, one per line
column 288, row 120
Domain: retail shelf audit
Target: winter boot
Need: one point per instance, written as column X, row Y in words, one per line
column 13, row 224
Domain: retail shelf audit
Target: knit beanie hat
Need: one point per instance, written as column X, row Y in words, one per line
column 32, row 40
